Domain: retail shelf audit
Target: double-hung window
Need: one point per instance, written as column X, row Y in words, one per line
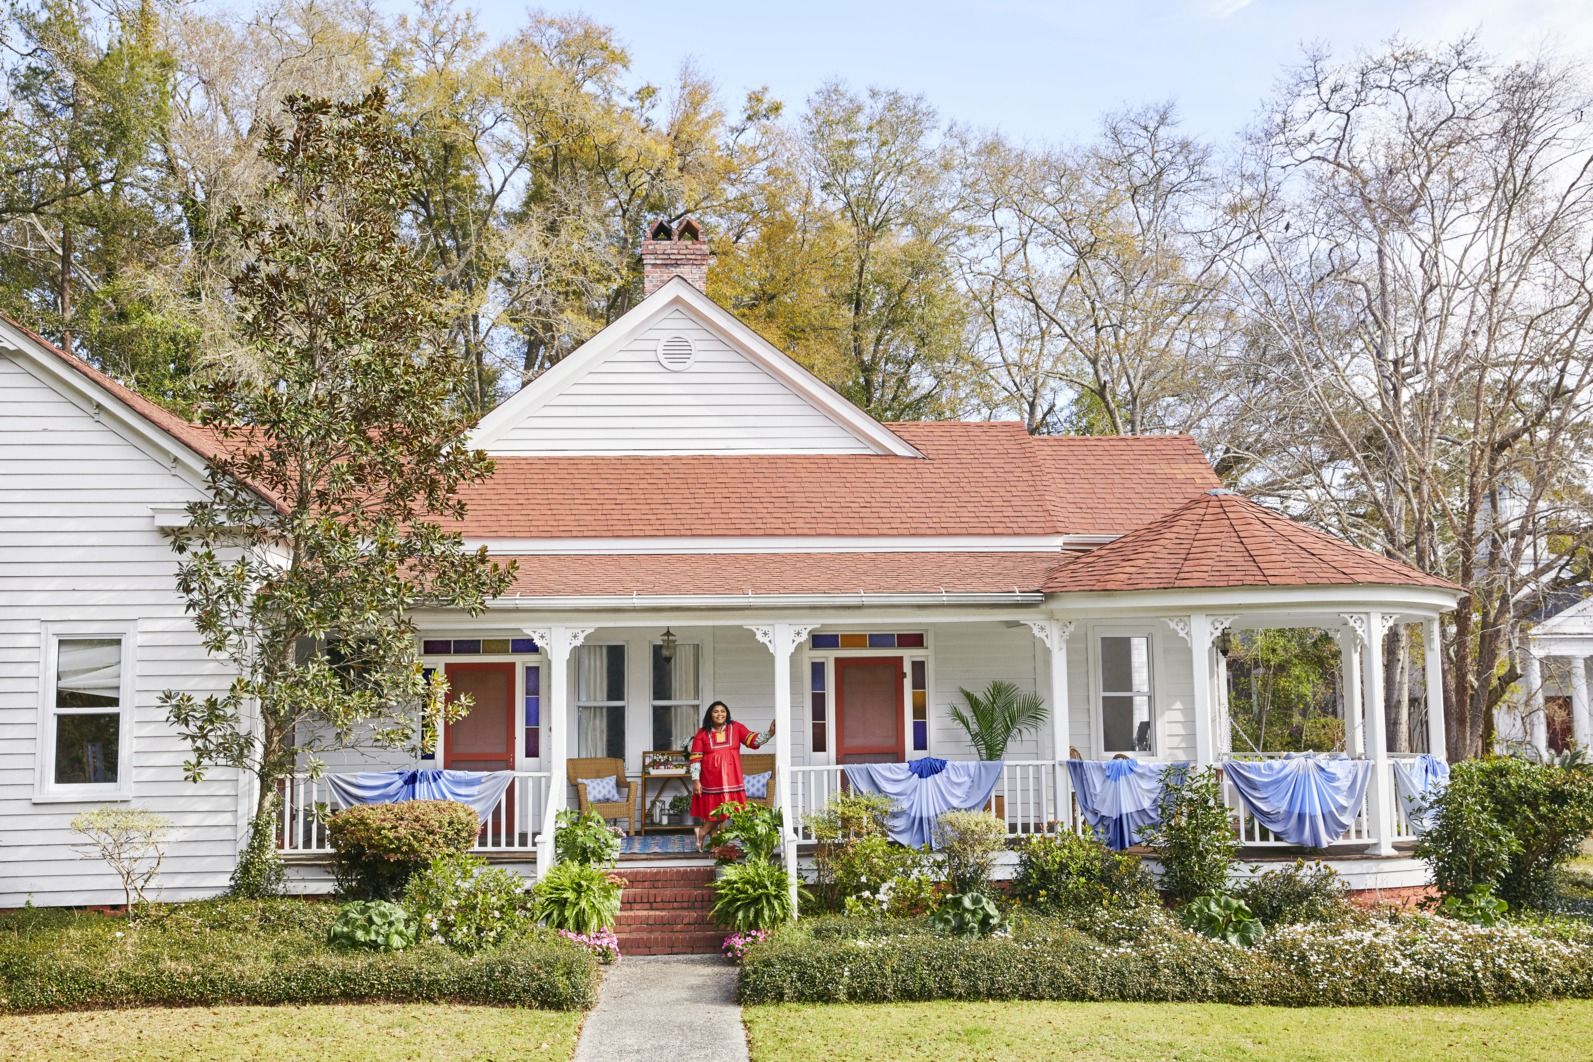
column 1126, row 724
column 600, row 700
column 677, row 695
column 85, row 731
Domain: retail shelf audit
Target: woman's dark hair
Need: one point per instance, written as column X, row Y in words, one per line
column 708, row 716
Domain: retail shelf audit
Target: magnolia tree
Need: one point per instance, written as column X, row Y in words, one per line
column 329, row 506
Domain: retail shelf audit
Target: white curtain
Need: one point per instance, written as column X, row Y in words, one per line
column 90, row 668
column 592, row 737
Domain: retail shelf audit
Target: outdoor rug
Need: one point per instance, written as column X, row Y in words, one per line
column 660, row 844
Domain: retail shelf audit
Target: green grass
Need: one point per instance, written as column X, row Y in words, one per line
column 946, row 1031
column 322, row 1032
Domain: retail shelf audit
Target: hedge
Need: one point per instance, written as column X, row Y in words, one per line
column 377, row 848
column 263, row 952
column 1408, row 960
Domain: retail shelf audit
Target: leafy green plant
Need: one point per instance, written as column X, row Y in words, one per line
column 584, row 838
column 1071, row 872
column 1508, row 824
column 849, row 817
column 970, row 915
column 755, row 894
column 1302, row 892
column 969, row 843
column 131, row 841
column 461, row 901
column 578, row 897
column 1223, row 917
column 997, row 714
column 260, row 872
column 1195, row 840
column 378, row 847
column 380, row 925
column 753, row 828
column 1478, row 905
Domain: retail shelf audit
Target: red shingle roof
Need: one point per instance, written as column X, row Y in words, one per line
column 974, row 479
column 1223, row 540
column 562, row 575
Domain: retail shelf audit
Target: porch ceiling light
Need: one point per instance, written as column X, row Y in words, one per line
column 667, row 642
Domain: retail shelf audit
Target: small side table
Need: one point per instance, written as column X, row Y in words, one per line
column 664, row 777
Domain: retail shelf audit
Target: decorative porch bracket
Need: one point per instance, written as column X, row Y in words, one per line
column 782, row 639
column 556, row 643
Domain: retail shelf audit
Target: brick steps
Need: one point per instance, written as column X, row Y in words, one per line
column 668, row 912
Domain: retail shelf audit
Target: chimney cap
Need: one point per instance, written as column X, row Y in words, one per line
column 686, row 228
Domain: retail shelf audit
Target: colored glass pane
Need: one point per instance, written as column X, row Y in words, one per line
column 918, row 675
column 818, row 706
column 854, row 641
column 495, row 645
column 436, row 646
column 910, row 641
column 816, row 670
column 818, row 737
column 467, row 645
column 882, row 641
column 533, row 741
column 826, row 641
column 920, row 704
column 920, row 736
column 522, row 645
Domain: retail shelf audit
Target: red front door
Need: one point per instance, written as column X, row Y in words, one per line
column 868, row 710
column 484, row 739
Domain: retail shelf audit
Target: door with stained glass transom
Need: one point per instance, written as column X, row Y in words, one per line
column 868, row 710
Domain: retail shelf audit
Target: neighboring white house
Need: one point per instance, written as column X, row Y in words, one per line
column 695, row 517
column 1553, row 709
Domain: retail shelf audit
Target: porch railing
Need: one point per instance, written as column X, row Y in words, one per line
column 1362, row 831
column 513, row 825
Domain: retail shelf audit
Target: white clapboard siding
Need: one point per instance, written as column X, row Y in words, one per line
column 629, row 403
column 78, row 543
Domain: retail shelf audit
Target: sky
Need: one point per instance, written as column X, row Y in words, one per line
column 1046, row 70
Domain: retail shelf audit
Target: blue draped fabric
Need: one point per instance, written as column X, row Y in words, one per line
column 480, row 789
column 1118, row 797
column 1418, row 783
column 1308, row 800
column 919, row 801
column 926, row 767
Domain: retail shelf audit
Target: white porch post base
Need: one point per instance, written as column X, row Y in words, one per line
column 781, row 639
column 556, row 644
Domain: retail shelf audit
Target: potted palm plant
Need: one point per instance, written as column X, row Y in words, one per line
column 996, row 715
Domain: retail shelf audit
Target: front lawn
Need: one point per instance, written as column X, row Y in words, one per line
column 266, row 952
column 326, row 1032
column 945, row 1031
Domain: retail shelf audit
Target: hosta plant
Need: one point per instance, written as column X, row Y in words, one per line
column 376, row 924
column 1223, row 917
column 577, row 897
column 970, row 915
column 1478, row 905
column 752, row 895
column 584, row 838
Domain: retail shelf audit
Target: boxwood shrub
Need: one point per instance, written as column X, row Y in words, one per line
column 264, row 952
column 1147, row 957
column 378, row 847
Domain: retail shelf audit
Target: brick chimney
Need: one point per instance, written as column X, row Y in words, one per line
column 674, row 251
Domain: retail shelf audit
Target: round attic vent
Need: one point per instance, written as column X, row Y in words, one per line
column 676, row 352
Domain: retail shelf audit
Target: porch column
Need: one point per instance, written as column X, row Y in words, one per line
column 1536, row 719
column 1380, row 808
column 781, row 639
column 1580, row 722
column 1053, row 634
column 1350, row 681
column 556, row 644
column 1437, row 735
column 1200, row 651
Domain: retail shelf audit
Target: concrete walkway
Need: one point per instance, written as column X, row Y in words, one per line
column 666, row 1006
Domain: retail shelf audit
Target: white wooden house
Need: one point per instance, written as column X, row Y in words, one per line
column 679, row 481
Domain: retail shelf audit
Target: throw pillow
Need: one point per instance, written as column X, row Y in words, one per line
column 602, row 790
column 757, row 785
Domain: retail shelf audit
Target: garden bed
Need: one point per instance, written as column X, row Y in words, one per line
column 1146, row 956
column 266, row 952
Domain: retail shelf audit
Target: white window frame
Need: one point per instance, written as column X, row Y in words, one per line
column 1099, row 695
column 698, row 704
column 623, row 704
column 45, row 789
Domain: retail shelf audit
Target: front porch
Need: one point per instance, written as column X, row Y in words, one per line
column 1124, row 678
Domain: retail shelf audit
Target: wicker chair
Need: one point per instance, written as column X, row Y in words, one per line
column 582, row 768
column 757, row 763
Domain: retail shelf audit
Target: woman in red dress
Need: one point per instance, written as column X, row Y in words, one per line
column 716, row 765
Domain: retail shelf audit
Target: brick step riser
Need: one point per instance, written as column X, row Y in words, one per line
column 666, row 945
column 646, row 897
column 667, row 919
column 681, row 914
column 667, row 878
column 677, row 907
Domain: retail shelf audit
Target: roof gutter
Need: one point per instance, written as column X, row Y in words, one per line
column 859, row 599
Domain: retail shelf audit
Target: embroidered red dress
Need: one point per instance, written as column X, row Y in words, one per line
column 718, row 757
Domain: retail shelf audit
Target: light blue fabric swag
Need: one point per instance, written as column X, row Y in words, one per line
column 919, row 801
column 1306, row 800
column 1419, row 782
column 1118, row 797
column 480, row 789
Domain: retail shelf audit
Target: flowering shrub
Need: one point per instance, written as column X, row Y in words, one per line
column 969, row 843
column 1303, row 892
column 735, row 946
column 1074, row 873
column 1145, row 955
column 603, row 944
column 462, row 902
